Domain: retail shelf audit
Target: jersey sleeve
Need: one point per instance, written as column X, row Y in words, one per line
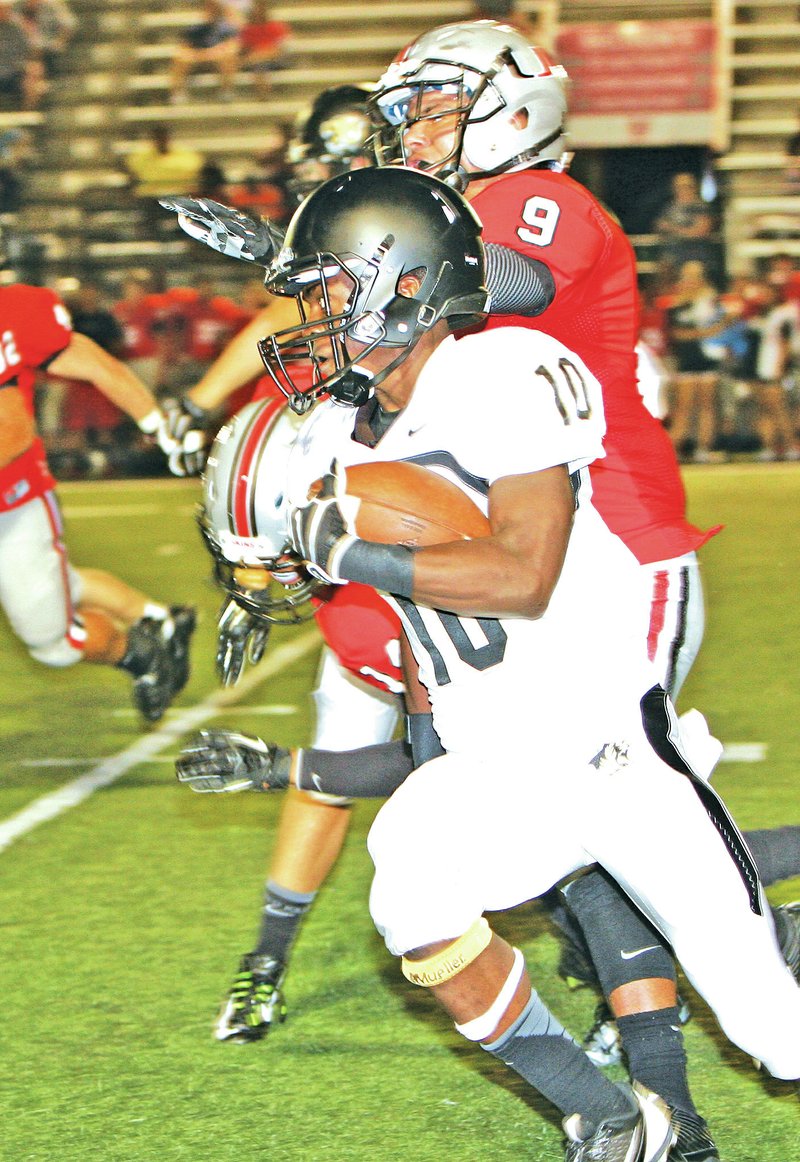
column 362, row 630
column 544, row 408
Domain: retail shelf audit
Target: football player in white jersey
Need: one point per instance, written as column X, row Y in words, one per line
column 384, row 263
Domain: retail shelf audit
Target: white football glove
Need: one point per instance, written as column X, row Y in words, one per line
column 156, row 425
column 226, row 229
column 189, row 425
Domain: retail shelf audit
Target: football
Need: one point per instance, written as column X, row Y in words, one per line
column 405, row 504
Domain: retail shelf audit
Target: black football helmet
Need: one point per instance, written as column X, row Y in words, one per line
column 330, row 138
column 371, row 227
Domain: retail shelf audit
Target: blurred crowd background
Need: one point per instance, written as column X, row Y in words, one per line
column 107, row 105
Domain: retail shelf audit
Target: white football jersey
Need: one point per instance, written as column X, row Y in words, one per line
column 495, row 404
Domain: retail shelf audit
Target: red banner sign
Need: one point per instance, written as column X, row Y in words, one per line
column 640, row 82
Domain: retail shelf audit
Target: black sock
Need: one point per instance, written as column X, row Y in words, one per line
column 281, row 917
column 653, row 1044
column 542, row 1052
column 776, row 851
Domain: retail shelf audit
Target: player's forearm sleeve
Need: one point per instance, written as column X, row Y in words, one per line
column 519, row 285
column 372, row 772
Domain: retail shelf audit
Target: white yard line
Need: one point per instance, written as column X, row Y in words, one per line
column 108, row 770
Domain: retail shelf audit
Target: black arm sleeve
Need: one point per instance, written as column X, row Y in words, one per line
column 422, row 738
column 372, row 772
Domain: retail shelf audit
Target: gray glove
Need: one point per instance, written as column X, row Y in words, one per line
column 241, row 637
column 226, row 230
column 222, row 760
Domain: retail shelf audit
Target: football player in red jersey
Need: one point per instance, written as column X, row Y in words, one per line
column 65, row 614
column 357, row 696
column 477, row 105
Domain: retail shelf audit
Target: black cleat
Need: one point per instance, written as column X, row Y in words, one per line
column 255, row 1001
column 150, row 665
column 643, row 1136
column 787, row 926
column 183, row 621
column 693, row 1142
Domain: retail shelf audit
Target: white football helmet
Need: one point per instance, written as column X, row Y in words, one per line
column 244, row 518
column 511, row 100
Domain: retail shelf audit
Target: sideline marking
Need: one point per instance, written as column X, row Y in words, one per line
column 744, row 752
column 107, row 771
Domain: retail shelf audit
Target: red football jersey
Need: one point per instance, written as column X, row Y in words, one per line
column 139, row 321
column 34, row 327
column 362, row 630
column 549, row 216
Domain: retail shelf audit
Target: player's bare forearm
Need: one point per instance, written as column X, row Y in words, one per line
column 240, row 361
column 85, row 359
column 513, row 572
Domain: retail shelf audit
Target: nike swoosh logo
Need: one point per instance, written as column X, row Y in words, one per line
column 638, row 952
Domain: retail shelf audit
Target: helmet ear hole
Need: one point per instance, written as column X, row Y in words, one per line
column 409, row 284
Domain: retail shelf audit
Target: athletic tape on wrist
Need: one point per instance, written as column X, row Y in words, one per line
column 444, row 965
column 479, row 1028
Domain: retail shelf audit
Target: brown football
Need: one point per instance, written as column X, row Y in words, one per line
column 406, row 504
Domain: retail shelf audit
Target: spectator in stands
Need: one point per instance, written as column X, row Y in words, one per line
column 791, row 175
column 159, row 169
column 206, row 320
column 781, row 271
column 264, row 43
column 16, row 154
column 264, row 189
column 142, row 312
column 774, row 356
column 91, row 317
column 50, row 26
column 21, row 73
column 508, row 12
column 214, row 40
column 686, row 227
column 695, row 317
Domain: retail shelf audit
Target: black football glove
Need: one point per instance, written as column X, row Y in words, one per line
column 241, row 637
column 226, row 229
column 222, row 760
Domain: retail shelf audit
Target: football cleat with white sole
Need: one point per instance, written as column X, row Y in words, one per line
column 255, row 1001
column 693, row 1142
column 602, row 1044
column 645, row 1137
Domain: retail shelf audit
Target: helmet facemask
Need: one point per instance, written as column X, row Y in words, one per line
column 281, row 596
column 507, row 98
column 375, row 315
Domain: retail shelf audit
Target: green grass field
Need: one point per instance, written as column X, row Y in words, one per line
column 123, row 918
